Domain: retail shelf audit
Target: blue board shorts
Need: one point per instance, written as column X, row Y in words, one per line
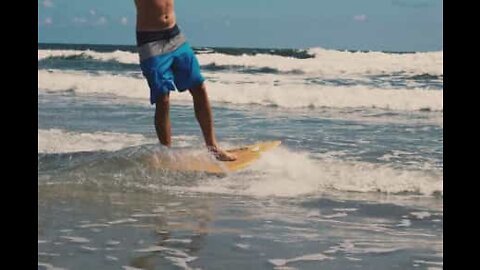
column 167, row 62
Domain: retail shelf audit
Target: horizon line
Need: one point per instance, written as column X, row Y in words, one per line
column 238, row 48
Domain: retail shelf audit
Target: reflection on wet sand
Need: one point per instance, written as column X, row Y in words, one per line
column 176, row 230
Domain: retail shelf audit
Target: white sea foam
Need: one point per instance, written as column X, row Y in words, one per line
column 353, row 259
column 290, row 174
column 125, row 267
column 146, row 215
column 111, row 258
column 242, row 246
column 60, row 141
column 122, row 221
column 93, row 225
column 49, row 266
column 87, row 248
column 309, row 257
column 118, row 55
column 46, row 254
column 176, row 256
column 420, row 215
column 76, row 239
column 181, row 241
column 337, row 215
column 324, row 62
column 345, row 209
column 267, row 94
column 404, row 223
column 347, row 246
column 112, row 243
column 181, row 262
column 331, row 62
column 428, row 262
column 152, row 249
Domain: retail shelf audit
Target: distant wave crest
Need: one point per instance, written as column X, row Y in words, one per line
column 322, row 62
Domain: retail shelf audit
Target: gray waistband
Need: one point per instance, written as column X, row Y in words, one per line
column 158, row 47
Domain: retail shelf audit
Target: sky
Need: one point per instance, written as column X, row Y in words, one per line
column 377, row 25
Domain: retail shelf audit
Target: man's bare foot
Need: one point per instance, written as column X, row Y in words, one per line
column 221, row 155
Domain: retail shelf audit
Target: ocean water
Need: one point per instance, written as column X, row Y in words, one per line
column 356, row 183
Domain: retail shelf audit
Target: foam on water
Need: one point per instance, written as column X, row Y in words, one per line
column 122, row 221
column 76, row 239
column 428, row 262
column 118, row 56
column 331, row 62
column 345, row 209
column 324, row 62
column 176, row 256
column 111, row 258
column 93, row 225
column 349, row 247
column 46, row 254
column 287, row 96
column 404, row 223
column 125, row 267
column 61, row 141
column 112, row 243
column 181, row 241
column 152, row 249
column 309, row 257
column 283, row 172
column 48, row 266
column 181, row 262
column 420, row 215
column 87, row 248
column 337, row 215
column 242, row 246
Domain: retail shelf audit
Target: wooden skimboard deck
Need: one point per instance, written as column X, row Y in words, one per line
column 246, row 155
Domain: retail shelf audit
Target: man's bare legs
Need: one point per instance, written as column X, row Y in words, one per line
column 203, row 113
column 162, row 120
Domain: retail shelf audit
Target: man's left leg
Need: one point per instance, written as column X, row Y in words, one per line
column 203, row 113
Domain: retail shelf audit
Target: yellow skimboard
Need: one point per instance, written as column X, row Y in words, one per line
column 246, row 155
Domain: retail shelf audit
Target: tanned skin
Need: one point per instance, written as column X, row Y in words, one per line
column 155, row 15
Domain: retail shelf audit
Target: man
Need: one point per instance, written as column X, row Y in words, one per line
column 169, row 63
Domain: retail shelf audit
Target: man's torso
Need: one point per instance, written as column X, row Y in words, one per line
column 155, row 15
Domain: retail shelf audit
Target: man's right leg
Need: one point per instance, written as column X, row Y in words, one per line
column 162, row 119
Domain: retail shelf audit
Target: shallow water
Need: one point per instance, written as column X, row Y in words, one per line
column 356, row 183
